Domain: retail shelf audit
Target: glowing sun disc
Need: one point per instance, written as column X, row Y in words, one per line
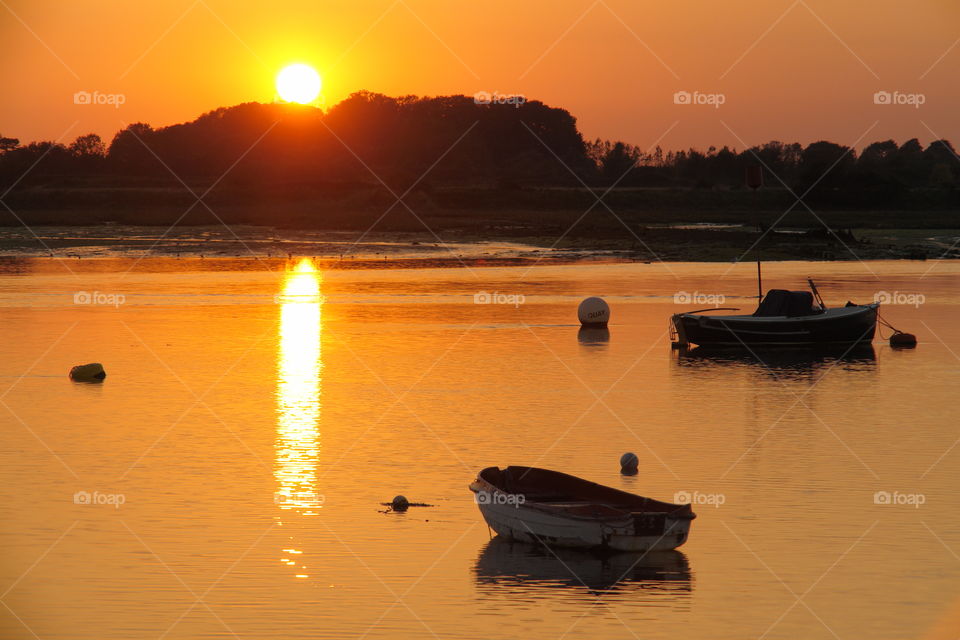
column 298, row 83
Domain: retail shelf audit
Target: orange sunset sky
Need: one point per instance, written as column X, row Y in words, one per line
column 788, row 70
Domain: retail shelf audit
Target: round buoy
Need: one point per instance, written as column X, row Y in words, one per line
column 92, row 372
column 629, row 462
column 594, row 312
column 399, row 503
column 903, row 340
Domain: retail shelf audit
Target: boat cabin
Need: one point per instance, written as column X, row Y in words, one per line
column 792, row 304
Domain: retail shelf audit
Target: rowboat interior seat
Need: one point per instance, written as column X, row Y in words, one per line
column 531, row 487
column 568, row 493
column 590, row 510
column 792, row 304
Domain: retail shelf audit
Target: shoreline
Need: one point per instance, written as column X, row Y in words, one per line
column 680, row 242
column 24, row 264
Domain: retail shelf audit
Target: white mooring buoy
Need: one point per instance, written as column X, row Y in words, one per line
column 594, row 312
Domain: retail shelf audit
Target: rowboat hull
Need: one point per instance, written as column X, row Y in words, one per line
column 843, row 325
column 612, row 519
column 529, row 525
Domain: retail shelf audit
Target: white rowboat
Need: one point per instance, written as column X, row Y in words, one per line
column 553, row 508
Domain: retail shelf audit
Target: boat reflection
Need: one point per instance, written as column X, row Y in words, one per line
column 526, row 567
column 781, row 362
column 299, row 376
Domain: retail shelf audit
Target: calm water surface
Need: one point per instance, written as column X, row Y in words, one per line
column 253, row 422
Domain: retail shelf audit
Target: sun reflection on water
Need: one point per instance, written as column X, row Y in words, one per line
column 299, row 380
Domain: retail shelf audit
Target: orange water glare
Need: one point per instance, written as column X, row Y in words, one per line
column 298, row 391
column 300, row 367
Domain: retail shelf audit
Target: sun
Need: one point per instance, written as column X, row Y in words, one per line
column 298, row 83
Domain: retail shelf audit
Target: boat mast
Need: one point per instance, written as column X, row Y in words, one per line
column 816, row 293
column 759, row 283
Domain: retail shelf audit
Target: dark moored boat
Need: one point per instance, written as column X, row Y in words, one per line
column 783, row 319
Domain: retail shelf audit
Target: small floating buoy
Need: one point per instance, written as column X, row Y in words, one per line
column 92, row 372
column 629, row 462
column 898, row 339
column 399, row 503
column 903, row 340
column 594, row 312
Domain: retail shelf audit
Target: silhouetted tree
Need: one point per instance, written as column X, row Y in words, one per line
column 6, row 144
column 942, row 163
column 825, row 164
column 88, row 146
column 35, row 163
column 614, row 161
column 879, row 155
column 89, row 153
column 909, row 162
column 130, row 151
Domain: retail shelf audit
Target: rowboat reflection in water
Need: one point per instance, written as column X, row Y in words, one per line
column 511, row 565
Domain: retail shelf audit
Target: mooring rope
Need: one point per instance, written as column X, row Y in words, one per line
column 882, row 321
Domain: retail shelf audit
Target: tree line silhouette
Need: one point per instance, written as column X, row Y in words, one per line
column 884, row 172
column 414, row 143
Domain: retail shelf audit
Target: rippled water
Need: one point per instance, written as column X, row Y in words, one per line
column 253, row 422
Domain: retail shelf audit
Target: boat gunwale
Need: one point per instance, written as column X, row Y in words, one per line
column 828, row 314
column 674, row 511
